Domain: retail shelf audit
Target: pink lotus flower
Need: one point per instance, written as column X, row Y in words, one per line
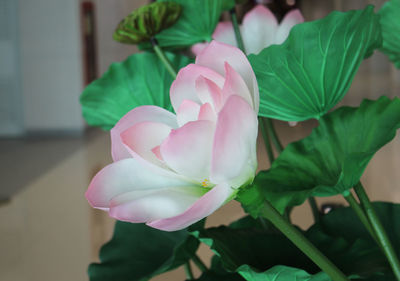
column 259, row 30
column 170, row 170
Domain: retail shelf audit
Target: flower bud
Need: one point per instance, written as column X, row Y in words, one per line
column 147, row 21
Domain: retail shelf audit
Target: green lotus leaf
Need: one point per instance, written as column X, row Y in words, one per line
column 140, row 80
column 137, row 252
column 331, row 160
column 281, row 273
column 343, row 223
column 390, row 25
column 312, row 70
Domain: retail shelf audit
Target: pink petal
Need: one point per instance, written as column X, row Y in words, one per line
column 215, row 56
column 154, row 204
column 184, row 87
column 142, row 137
column 157, row 152
column 125, row 176
column 187, row 150
column 137, row 115
column 291, row 19
column 224, row 33
column 207, row 113
column 198, row 48
column 234, row 155
column 209, row 92
column 258, row 29
column 155, row 167
column 202, row 208
column 187, row 111
column 234, row 85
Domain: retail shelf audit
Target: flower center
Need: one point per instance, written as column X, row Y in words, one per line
column 205, row 183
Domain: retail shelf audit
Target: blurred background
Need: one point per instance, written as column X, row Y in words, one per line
column 49, row 51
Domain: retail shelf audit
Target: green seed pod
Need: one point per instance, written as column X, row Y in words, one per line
column 147, row 21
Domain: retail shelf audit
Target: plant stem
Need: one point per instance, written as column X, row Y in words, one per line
column 161, row 55
column 314, row 209
column 199, row 263
column 274, row 135
column 188, row 271
column 238, row 35
column 361, row 215
column 294, row 235
column 267, row 142
column 379, row 230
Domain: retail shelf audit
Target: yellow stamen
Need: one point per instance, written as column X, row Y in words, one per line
column 205, row 183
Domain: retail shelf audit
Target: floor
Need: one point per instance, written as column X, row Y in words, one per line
column 48, row 231
column 44, row 228
column 20, row 165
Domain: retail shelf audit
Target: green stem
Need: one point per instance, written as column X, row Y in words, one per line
column 379, row 230
column 161, row 55
column 360, row 213
column 188, row 271
column 267, row 143
column 238, row 35
column 294, row 235
column 274, row 135
column 314, row 209
column 199, row 263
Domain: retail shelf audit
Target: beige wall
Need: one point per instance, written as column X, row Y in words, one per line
column 108, row 15
column 51, row 64
column 51, row 58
